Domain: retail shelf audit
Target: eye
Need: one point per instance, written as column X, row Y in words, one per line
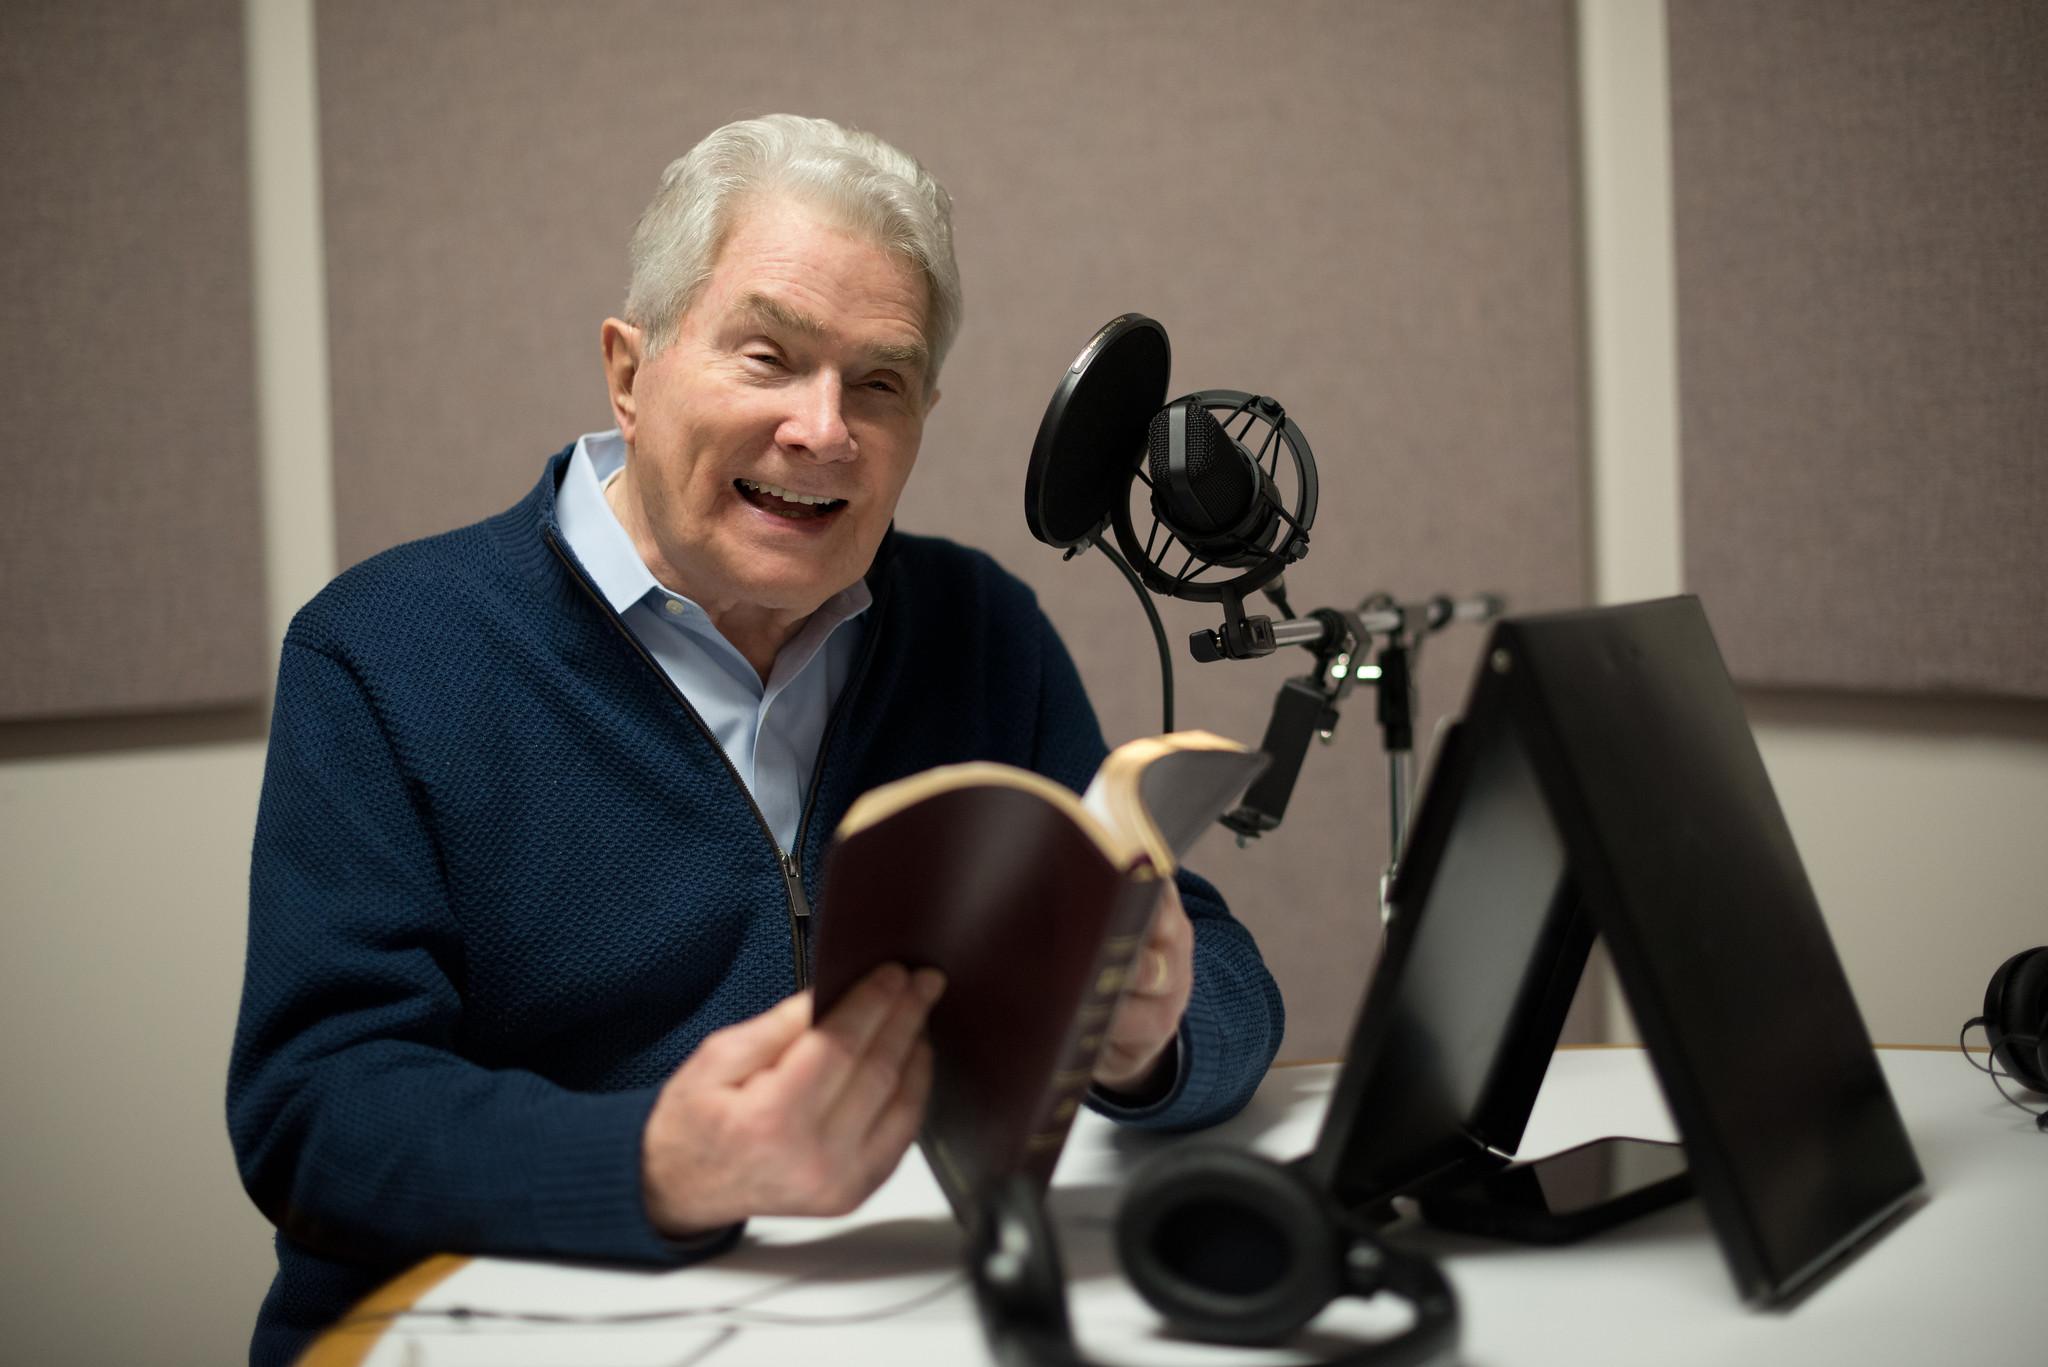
column 883, row 384
column 767, row 358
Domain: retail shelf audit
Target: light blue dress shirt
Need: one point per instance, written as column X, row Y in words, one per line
column 771, row 732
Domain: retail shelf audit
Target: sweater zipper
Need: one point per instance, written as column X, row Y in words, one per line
column 792, row 861
column 847, row 696
column 792, row 872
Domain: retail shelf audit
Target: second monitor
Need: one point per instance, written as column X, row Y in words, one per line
column 1604, row 782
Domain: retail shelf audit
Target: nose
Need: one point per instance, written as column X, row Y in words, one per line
column 816, row 421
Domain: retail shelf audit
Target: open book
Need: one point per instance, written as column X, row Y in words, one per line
column 1035, row 904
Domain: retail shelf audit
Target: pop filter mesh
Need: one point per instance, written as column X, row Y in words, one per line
column 1094, row 429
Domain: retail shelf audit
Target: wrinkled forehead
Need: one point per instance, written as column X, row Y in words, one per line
column 768, row 205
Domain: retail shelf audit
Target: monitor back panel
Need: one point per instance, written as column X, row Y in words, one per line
column 1689, row 871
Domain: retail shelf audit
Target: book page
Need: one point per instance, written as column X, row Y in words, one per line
column 1159, row 794
column 1096, row 802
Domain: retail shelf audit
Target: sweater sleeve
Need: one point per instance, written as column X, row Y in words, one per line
column 359, row 1129
column 1235, row 1016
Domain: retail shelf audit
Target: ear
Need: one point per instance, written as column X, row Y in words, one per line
column 623, row 346
column 931, row 403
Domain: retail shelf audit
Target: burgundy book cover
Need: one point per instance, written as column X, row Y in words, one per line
column 1035, row 930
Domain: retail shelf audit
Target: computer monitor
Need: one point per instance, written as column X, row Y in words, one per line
column 1604, row 782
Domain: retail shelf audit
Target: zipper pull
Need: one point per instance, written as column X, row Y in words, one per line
column 793, row 876
column 799, row 918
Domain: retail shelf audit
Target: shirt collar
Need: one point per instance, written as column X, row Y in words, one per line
column 594, row 533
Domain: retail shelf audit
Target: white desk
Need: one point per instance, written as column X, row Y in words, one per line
column 1958, row 1281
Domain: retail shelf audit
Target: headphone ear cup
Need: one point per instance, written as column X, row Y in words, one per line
column 2015, row 1010
column 1229, row 1246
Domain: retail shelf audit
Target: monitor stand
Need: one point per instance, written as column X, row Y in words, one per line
column 1566, row 1196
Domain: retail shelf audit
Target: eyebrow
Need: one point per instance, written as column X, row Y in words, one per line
column 776, row 314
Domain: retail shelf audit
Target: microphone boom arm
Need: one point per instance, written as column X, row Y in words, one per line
column 1309, row 705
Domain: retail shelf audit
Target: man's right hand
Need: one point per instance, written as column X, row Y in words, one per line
column 777, row 1116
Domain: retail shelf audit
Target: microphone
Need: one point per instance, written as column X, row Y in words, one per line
column 1224, row 523
column 1207, row 489
column 1222, row 526
column 1232, row 487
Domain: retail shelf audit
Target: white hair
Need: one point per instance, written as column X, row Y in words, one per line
column 871, row 187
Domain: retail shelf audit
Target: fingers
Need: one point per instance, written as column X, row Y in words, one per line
column 1166, row 962
column 860, row 1048
column 875, row 1082
column 777, row 1115
column 732, row 1055
column 901, row 1117
column 1148, row 1014
column 857, row 1164
column 1171, row 928
column 851, row 1142
column 864, row 1011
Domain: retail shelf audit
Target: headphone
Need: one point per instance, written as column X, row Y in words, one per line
column 1228, row 1246
column 2015, row 1021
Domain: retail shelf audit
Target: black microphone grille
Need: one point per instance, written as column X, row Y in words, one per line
column 1221, row 482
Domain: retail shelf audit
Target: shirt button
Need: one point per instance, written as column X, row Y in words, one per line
column 675, row 609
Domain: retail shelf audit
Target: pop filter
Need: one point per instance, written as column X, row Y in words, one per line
column 1093, row 433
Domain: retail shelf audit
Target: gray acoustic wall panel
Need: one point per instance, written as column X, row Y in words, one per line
column 131, row 528
column 1367, row 211
column 1862, row 249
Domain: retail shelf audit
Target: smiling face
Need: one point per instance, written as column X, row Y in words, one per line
column 768, row 442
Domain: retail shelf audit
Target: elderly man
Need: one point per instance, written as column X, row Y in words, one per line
column 547, row 797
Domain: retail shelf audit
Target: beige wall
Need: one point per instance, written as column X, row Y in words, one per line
column 1919, row 820
column 1388, row 243
column 123, row 847
column 126, row 151
column 123, row 891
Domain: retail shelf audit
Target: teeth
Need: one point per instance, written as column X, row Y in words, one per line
column 786, row 495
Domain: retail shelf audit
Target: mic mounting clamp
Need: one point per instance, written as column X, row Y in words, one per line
column 1239, row 638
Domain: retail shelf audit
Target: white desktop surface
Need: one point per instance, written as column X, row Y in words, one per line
column 1957, row 1281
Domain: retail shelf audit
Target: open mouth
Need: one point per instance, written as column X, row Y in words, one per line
column 787, row 503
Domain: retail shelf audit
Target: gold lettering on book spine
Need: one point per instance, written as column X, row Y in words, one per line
column 1117, row 953
column 1069, row 1084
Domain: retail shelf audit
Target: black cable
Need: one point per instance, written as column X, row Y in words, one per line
column 739, row 1311
column 1993, row 1073
column 1158, row 631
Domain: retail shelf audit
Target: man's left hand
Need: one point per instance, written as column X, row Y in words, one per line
column 1148, row 1016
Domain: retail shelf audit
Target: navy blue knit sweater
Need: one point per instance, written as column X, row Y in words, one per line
column 504, row 881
